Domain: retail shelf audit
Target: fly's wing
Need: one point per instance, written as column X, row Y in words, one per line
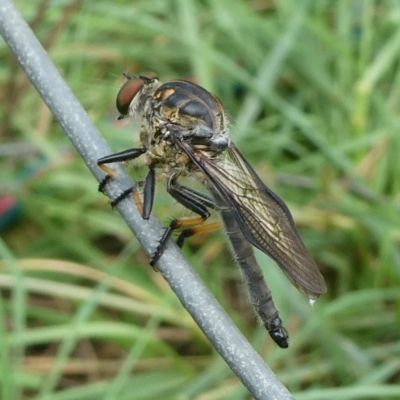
column 263, row 217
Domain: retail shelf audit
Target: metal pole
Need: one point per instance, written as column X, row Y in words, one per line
column 226, row 338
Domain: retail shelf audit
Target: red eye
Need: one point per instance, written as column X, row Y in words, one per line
column 126, row 94
column 130, row 89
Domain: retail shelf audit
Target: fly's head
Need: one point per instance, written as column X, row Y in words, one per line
column 187, row 112
column 134, row 97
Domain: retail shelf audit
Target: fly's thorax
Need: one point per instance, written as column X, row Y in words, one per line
column 195, row 114
column 162, row 155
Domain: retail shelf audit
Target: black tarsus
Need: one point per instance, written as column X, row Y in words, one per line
column 120, row 197
column 125, row 155
column 104, row 182
column 186, row 233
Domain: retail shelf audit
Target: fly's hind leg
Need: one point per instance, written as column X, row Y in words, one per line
column 193, row 201
column 205, row 201
column 188, row 232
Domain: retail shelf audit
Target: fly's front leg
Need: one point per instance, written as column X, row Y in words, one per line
column 193, row 201
column 127, row 155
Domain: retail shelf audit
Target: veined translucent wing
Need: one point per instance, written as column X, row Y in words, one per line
column 263, row 217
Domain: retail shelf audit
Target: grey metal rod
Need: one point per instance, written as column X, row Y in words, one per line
column 226, row 338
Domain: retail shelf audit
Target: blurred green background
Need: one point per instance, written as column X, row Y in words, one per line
column 312, row 89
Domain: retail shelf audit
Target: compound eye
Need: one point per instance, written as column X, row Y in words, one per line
column 126, row 94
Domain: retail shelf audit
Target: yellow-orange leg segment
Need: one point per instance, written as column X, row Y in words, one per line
column 175, row 224
column 195, row 230
column 192, row 200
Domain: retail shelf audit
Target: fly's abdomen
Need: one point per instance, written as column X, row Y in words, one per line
column 259, row 292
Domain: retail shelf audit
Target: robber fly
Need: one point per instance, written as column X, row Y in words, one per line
column 184, row 131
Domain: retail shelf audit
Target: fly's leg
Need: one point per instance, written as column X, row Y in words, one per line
column 146, row 205
column 200, row 197
column 148, row 193
column 188, row 232
column 125, row 155
column 204, row 200
column 149, row 185
column 195, row 202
